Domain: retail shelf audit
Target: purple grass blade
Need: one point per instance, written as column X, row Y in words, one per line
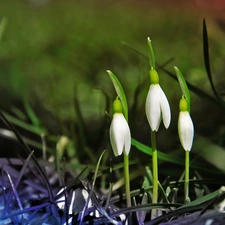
column 55, row 213
column 28, row 151
column 142, row 213
column 92, row 200
column 15, row 192
column 17, row 182
column 30, row 209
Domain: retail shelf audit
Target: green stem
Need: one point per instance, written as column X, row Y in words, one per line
column 151, row 55
column 186, row 181
column 154, row 168
column 127, row 179
column 155, row 173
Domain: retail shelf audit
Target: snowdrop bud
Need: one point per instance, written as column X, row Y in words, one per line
column 119, row 132
column 157, row 106
column 185, row 126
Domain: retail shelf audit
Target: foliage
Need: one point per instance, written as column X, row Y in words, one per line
column 56, row 70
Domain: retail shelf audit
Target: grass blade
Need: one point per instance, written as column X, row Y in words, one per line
column 32, row 116
column 16, row 183
column 26, row 126
column 207, row 60
column 2, row 27
column 28, row 152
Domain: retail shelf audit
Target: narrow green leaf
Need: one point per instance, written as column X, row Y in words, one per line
column 97, row 167
column 161, row 155
column 204, row 187
column 26, row 126
column 120, row 92
column 207, row 59
column 201, row 200
column 35, row 121
column 193, row 206
column 10, row 135
column 2, row 27
column 169, row 157
column 183, row 86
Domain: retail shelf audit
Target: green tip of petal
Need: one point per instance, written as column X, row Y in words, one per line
column 117, row 106
column 154, row 77
column 183, row 105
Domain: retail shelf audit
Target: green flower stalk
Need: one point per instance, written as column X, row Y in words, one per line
column 120, row 139
column 186, row 135
column 157, row 109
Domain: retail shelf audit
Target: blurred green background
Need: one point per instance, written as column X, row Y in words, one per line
column 54, row 56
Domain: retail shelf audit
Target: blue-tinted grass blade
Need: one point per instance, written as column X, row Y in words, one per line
column 92, row 186
column 14, row 192
column 33, row 158
column 16, row 183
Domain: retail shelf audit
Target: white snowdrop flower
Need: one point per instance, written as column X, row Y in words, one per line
column 185, row 126
column 157, row 106
column 120, row 136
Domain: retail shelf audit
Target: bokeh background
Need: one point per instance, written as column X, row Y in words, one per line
column 54, row 56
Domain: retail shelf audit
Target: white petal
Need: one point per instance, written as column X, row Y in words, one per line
column 165, row 108
column 127, row 139
column 120, row 136
column 152, row 107
column 185, row 130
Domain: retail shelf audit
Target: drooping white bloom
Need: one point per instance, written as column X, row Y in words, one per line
column 157, row 106
column 120, row 136
column 185, row 126
column 185, row 130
